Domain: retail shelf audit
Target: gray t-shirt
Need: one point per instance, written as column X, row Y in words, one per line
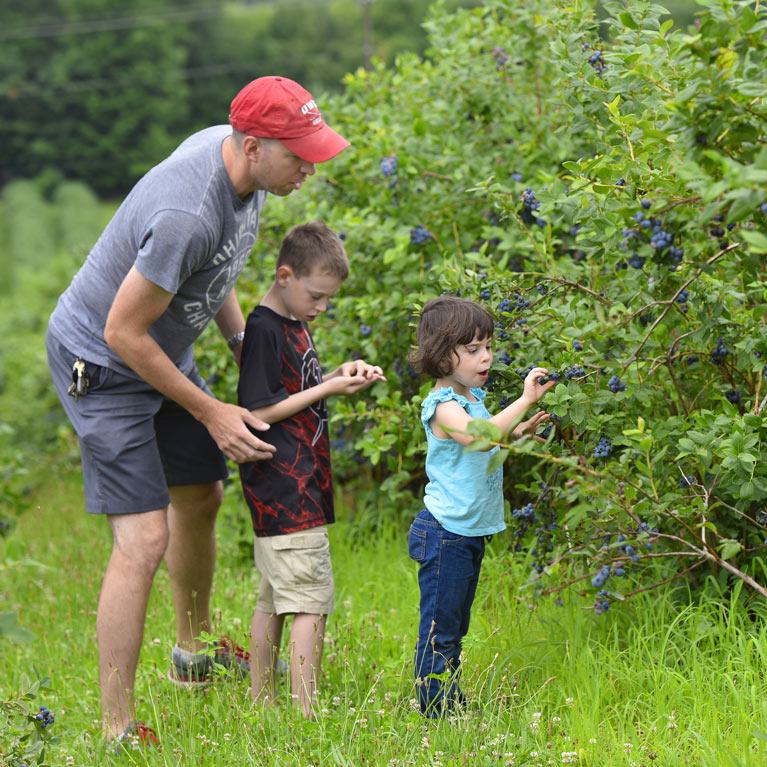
column 185, row 229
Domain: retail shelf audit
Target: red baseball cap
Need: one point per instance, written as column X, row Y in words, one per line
column 276, row 107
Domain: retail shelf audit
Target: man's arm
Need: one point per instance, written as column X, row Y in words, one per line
column 139, row 303
column 231, row 321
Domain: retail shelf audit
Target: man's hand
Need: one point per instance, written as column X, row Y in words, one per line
column 228, row 425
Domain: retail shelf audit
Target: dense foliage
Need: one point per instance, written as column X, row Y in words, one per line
column 606, row 201
column 100, row 93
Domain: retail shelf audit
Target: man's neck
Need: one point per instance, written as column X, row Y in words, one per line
column 236, row 168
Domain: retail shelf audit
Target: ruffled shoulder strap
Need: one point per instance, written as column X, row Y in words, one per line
column 435, row 396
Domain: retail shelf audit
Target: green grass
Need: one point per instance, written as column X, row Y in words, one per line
column 647, row 683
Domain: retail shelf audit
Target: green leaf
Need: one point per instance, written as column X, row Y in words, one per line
column 729, row 548
column 481, row 427
column 10, row 629
column 746, row 490
column 627, row 20
column 756, row 240
column 496, row 460
column 578, row 414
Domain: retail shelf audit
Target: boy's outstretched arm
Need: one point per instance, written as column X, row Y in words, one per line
column 333, row 384
column 357, row 367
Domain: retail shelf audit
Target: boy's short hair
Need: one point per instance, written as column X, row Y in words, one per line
column 313, row 245
column 446, row 323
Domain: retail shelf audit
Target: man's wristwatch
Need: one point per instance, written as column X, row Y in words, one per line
column 235, row 340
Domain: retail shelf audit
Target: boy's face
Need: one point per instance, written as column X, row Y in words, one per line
column 307, row 296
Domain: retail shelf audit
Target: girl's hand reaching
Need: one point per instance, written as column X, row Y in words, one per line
column 534, row 390
column 530, row 426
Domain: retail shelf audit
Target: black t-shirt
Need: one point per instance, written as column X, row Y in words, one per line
column 292, row 490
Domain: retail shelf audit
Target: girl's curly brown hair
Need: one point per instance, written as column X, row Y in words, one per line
column 446, row 323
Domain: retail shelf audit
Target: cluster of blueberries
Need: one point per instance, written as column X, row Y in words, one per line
column 603, row 448
column 576, row 371
column 720, row 352
column 530, row 205
column 615, row 385
column 601, row 604
column 601, row 577
column 595, row 59
column 500, row 56
column 646, row 319
column 366, row 330
column 518, row 303
column 420, row 234
column 44, row 716
column 660, row 239
column 522, row 520
column 389, row 165
column 683, row 298
column 734, row 395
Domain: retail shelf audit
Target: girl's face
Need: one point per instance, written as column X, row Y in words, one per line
column 471, row 365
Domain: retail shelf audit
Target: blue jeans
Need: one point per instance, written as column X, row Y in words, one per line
column 448, row 572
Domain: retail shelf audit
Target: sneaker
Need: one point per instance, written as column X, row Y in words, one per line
column 137, row 736
column 194, row 671
column 232, row 656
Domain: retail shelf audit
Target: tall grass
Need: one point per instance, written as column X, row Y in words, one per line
column 655, row 681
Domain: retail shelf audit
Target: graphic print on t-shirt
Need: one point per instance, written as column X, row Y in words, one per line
column 311, row 375
column 234, row 254
column 292, row 490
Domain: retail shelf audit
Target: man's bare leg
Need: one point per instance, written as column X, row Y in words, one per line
column 191, row 558
column 265, row 638
column 307, row 635
column 139, row 543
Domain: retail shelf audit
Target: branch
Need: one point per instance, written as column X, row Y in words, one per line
column 672, row 300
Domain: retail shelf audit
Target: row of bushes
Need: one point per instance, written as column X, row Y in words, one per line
column 606, row 201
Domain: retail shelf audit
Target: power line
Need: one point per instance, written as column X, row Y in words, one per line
column 95, row 24
column 32, row 89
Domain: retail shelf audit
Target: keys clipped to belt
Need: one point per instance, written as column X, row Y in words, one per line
column 80, row 381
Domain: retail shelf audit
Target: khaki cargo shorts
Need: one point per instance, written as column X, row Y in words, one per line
column 296, row 573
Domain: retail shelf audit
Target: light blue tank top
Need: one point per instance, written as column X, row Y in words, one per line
column 461, row 495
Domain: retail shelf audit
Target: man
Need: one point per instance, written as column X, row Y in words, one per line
column 153, row 439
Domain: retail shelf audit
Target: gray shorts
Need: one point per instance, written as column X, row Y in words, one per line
column 135, row 443
column 296, row 573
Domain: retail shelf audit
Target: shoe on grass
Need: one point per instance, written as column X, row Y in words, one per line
column 137, row 736
column 196, row 670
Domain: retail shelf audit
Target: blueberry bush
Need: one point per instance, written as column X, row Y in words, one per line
column 601, row 186
column 26, row 730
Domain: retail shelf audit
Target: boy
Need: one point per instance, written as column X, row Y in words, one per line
column 291, row 496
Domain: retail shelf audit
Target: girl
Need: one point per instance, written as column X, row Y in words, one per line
column 464, row 504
